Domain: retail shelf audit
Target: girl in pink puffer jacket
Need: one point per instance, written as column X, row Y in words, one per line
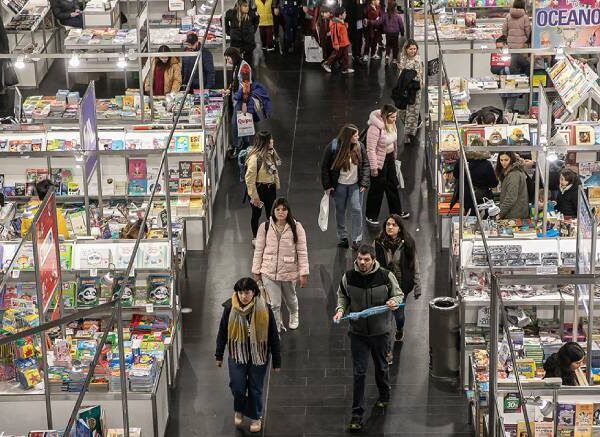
column 280, row 260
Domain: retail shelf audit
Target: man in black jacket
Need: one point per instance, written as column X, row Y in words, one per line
column 187, row 64
column 68, row 12
column 366, row 286
column 356, row 23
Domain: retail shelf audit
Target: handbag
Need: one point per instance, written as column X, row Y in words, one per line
column 399, row 173
column 9, row 75
column 312, row 50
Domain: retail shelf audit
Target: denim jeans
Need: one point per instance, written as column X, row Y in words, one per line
column 246, row 382
column 348, row 196
column 399, row 316
column 361, row 347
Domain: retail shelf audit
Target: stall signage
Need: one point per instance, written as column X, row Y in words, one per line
column 566, row 23
column 49, row 263
column 88, row 130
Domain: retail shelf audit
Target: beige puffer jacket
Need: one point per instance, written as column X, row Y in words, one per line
column 517, row 29
column 279, row 258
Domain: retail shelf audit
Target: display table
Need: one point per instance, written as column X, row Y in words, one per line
column 94, row 14
column 26, row 410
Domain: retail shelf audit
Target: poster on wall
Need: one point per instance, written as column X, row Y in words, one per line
column 566, row 23
column 87, row 129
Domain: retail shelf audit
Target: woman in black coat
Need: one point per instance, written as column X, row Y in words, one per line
column 566, row 201
column 345, row 174
column 241, row 23
column 483, row 176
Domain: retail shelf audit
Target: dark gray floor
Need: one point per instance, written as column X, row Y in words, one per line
column 311, row 396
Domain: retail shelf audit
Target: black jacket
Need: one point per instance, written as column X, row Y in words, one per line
column 483, row 177
column 241, row 34
column 405, row 92
column 403, row 271
column 273, row 340
column 62, row 8
column 329, row 176
column 567, row 202
column 208, row 70
column 355, row 10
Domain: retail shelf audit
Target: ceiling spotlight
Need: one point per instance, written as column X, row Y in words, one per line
column 20, row 62
column 122, row 62
column 74, row 61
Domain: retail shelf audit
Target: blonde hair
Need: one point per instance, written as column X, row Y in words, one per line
column 386, row 111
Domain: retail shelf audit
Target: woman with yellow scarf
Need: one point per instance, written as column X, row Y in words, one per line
column 249, row 330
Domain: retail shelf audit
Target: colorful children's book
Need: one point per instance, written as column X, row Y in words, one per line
column 565, row 414
column 583, row 413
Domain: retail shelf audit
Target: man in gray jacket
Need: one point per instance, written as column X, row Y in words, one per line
column 366, row 286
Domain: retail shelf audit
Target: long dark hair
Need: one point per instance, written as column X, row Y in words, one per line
column 164, row 49
column 282, row 201
column 570, row 176
column 346, row 150
column 234, row 54
column 403, row 235
column 391, row 8
column 499, row 168
column 559, row 363
column 260, row 147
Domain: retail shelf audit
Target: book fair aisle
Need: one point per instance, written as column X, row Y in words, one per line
column 525, row 284
column 103, row 197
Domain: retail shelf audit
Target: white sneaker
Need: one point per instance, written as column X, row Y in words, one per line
column 254, row 242
column 294, row 321
column 326, row 67
column 255, row 426
column 238, row 419
column 366, row 58
column 375, row 56
column 348, row 71
column 371, row 222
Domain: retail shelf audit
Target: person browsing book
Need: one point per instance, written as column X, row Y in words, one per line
column 566, row 364
column 514, row 196
column 566, row 201
column 368, row 285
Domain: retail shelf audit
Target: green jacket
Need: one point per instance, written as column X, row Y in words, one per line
column 514, row 197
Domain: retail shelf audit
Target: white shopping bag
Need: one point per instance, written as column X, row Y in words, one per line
column 245, row 124
column 399, row 174
column 312, row 50
column 324, row 212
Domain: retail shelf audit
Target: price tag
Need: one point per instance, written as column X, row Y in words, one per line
column 16, row 273
column 93, row 272
column 149, row 308
column 483, row 317
column 547, row 270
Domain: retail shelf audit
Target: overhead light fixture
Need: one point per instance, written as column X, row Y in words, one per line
column 74, row 61
column 20, row 62
column 560, row 53
column 122, row 62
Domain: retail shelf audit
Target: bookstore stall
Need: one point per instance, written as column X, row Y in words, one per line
column 111, row 250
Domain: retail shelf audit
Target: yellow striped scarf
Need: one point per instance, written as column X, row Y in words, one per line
column 248, row 340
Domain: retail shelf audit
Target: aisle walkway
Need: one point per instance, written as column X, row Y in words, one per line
column 311, row 396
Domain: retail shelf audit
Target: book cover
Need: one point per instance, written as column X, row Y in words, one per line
column 522, row 428
column 158, row 289
column 565, row 431
column 153, row 255
column 93, row 256
column 137, row 187
column 87, row 291
column 582, row 431
column 198, row 166
column 449, row 139
column 197, row 182
column 518, row 135
column 182, row 143
column 596, row 415
column 137, row 169
column 185, row 186
column 584, row 135
column 185, row 169
column 565, row 414
column 583, row 413
column 544, row 429
column 496, row 135
column 92, row 416
column 73, row 189
column 196, row 143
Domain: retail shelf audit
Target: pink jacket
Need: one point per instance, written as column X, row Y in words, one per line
column 376, row 140
column 517, row 29
column 280, row 259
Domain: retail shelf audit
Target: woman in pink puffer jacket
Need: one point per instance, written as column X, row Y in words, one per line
column 382, row 144
column 280, row 260
column 517, row 29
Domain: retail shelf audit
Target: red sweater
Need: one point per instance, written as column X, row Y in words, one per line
column 339, row 33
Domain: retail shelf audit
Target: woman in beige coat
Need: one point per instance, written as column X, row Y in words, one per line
column 165, row 74
column 281, row 260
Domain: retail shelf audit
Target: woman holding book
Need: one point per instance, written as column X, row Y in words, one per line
column 281, row 261
column 514, row 196
column 566, row 364
column 249, row 331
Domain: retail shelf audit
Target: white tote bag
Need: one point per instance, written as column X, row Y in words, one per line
column 399, row 174
column 245, row 124
column 312, row 50
column 324, row 212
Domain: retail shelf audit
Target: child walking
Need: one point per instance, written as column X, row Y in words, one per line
column 340, row 41
column 373, row 30
column 264, row 8
column 393, row 27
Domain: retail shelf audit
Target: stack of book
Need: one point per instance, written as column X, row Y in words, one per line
column 143, row 373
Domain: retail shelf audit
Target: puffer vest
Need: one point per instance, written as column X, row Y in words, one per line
column 366, row 291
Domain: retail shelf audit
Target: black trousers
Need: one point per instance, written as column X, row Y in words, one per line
column 267, row 194
column 386, row 182
column 377, row 347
